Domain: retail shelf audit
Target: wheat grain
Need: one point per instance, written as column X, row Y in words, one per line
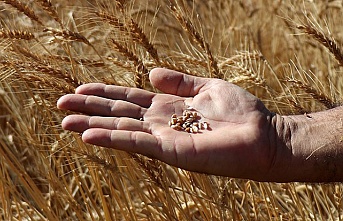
column 16, row 34
column 179, row 67
column 111, row 19
column 67, row 35
column 188, row 122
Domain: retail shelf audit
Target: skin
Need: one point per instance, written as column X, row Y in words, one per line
column 245, row 140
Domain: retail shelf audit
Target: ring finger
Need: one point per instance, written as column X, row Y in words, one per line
column 80, row 123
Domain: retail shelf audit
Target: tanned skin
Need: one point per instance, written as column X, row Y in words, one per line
column 245, row 139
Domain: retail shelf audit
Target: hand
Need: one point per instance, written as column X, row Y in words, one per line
column 238, row 144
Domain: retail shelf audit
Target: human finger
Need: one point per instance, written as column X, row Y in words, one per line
column 80, row 123
column 93, row 105
column 177, row 83
column 132, row 141
column 133, row 95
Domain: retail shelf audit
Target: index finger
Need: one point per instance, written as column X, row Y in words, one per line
column 177, row 83
column 137, row 96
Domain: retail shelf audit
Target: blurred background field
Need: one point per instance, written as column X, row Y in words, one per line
column 287, row 53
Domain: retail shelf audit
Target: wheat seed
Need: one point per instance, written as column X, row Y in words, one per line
column 188, row 122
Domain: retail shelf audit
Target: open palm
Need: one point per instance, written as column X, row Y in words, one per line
column 237, row 143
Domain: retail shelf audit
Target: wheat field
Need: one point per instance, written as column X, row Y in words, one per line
column 287, row 53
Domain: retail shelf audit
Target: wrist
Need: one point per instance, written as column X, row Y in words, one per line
column 309, row 147
column 280, row 134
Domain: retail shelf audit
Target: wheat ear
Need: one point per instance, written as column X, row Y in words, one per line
column 16, row 34
column 67, row 35
column 24, row 9
column 315, row 94
column 151, row 167
column 139, row 36
column 134, row 30
column 140, row 70
column 330, row 44
column 188, row 26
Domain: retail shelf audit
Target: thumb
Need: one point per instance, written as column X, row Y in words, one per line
column 177, row 83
